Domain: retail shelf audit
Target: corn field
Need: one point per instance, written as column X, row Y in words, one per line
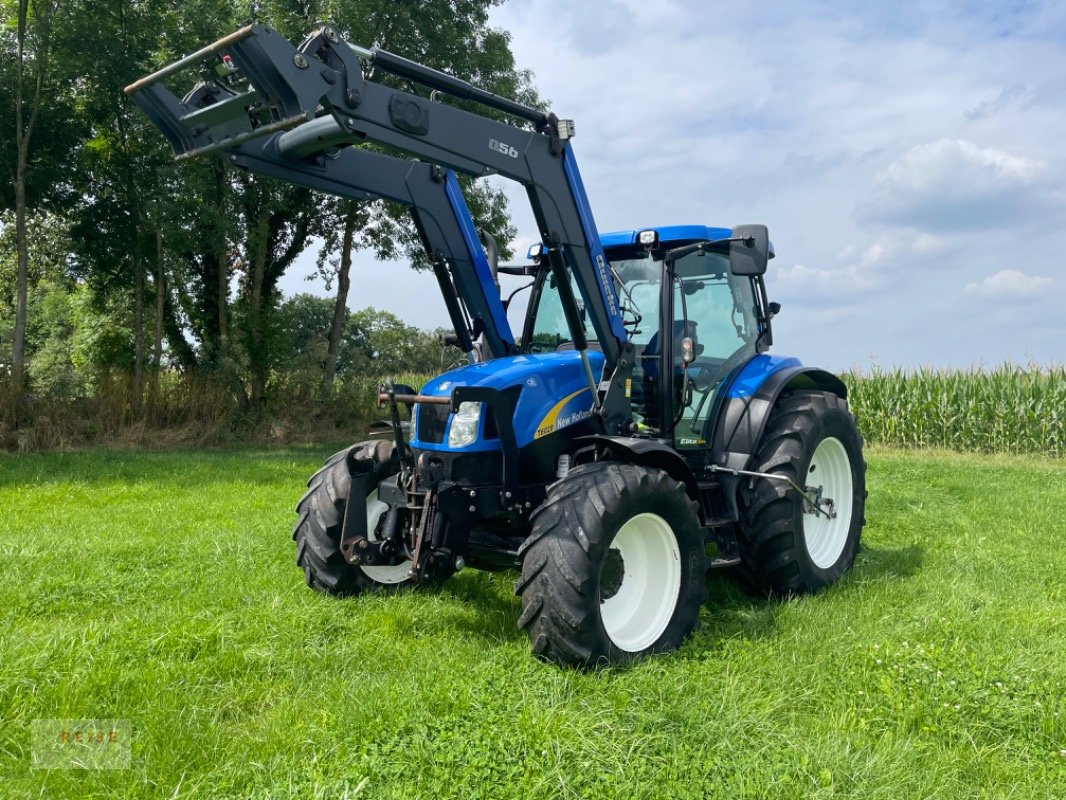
column 1007, row 409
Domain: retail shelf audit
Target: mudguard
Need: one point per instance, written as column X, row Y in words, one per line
column 648, row 453
column 743, row 417
column 746, row 410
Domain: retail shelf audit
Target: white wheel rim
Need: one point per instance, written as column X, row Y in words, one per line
column 830, row 468
column 638, row 613
column 397, row 573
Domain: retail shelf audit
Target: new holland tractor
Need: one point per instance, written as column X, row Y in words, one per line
column 637, row 422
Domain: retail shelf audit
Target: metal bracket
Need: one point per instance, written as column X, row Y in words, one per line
column 812, row 495
column 423, row 544
column 353, row 527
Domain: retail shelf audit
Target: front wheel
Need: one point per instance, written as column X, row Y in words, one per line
column 789, row 545
column 614, row 567
column 320, row 517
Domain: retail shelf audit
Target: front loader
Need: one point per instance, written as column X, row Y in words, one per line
column 636, row 423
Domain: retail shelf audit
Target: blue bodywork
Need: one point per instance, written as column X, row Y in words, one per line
column 555, row 391
column 756, row 372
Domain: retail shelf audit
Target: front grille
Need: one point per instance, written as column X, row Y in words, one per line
column 469, row 469
column 432, row 420
column 476, row 469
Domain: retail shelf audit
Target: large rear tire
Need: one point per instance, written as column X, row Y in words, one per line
column 321, row 514
column 614, row 568
column 786, row 548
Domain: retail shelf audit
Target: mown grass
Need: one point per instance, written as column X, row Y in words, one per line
column 159, row 588
column 1006, row 409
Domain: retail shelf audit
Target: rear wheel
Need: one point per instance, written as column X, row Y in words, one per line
column 786, row 546
column 614, row 567
column 321, row 514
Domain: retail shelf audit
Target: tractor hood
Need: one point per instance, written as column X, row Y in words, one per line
column 554, row 393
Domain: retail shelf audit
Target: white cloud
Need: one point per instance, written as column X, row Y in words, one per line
column 816, row 282
column 955, row 184
column 932, row 166
column 1010, row 283
column 852, row 272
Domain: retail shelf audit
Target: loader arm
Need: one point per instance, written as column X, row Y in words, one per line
column 313, row 99
column 435, row 201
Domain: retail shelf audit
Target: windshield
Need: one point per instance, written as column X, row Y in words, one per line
column 637, row 282
column 550, row 331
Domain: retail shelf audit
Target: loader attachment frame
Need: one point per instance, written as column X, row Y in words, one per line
column 315, row 100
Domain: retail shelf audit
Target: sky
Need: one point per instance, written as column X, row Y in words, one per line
column 908, row 158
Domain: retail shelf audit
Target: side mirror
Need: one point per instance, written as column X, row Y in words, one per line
column 749, row 255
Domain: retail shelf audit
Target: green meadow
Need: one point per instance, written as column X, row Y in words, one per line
column 159, row 589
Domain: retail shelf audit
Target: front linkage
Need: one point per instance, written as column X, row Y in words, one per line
column 429, row 518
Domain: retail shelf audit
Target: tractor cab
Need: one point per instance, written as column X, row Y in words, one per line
column 691, row 318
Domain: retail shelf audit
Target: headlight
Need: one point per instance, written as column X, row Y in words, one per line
column 464, row 425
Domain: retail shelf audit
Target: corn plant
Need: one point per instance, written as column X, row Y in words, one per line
column 1005, row 409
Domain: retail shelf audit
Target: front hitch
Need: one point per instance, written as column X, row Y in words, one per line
column 355, row 544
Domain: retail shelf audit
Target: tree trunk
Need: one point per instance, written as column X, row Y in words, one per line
column 340, row 308
column 138, row 331
column 258, row 357
column 212, row 257
column 180, row 348
column 23, row 134
column 18, row 353
column 157, row 338
column 160, row 284
column 223, row 292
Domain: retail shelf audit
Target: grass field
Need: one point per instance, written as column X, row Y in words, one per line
column 159, row 589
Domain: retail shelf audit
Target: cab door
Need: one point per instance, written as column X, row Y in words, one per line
column 717, row 312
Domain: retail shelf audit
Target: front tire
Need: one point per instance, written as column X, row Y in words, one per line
column 614, row 568
column 786, row 548
column 321, row 515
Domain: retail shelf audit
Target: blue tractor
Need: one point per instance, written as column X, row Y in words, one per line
column 634, row 435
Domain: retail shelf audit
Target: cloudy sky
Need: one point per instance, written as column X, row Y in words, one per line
column 909, row 159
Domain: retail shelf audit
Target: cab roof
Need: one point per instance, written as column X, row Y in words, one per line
column 667, row 233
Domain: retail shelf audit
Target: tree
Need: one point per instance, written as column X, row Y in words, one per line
column 206, row 242
column 46, row 249
column 380, row 344
column 33, row 42
column 374, row 343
